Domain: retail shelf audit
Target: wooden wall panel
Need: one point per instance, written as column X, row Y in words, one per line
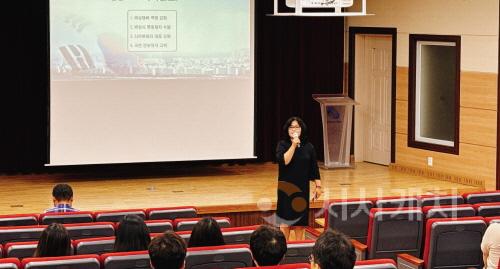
column 401, row 116
column 479, row 73
column 402, row 83
column 478, row 127
column 476, row 162
column 478, row 90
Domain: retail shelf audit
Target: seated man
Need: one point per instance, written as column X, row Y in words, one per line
column 167, row 251
column 333, row 250
column 268, row 246
column 62, row 196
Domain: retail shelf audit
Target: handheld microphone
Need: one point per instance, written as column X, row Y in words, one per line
column 296, row 135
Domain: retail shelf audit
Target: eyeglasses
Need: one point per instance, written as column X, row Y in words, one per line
column 294, row 127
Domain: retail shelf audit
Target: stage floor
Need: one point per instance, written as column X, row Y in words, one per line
column 213, row 189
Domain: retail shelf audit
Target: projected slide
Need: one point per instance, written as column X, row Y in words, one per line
column 151, row 80
column 108, row 39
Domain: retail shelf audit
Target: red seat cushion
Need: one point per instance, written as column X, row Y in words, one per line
column 242, row 228
column 149, row 210
column 62, row 258
column 219, row 247
column 11, row 260
column 178, row 220
column 426, row 209
column 376, row 261
column 282, row 266
column 115, row 254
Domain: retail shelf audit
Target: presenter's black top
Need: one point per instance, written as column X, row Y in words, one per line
column 293, row 183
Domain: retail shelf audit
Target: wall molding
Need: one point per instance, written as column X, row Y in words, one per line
column 438, row 175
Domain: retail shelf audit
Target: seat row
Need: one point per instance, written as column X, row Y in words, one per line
column 351, row 216
column 416, row 242
column 297, row 252
column 404, row 234
column 98, row 229
column 163, row 213
column 232, row 256
column 100, row 245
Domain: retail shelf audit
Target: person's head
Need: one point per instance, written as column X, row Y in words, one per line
column 206, row 233
column 132, row 234
column 333, row 250
column 62, row 193
column 54, row 242
column 167, row 251
column 295, row 125
column 268, row 245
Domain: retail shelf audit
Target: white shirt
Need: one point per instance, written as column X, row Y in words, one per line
column 491, row 245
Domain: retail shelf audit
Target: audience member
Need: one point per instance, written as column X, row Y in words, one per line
column 54, row 242
column 333, row 250
column 167, row 251
column 491, row 246
column 62, row 196
column 268, row 246
column 132, row 234
column 206, row 233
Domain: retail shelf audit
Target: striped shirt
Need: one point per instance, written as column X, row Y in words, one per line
column 61, row 208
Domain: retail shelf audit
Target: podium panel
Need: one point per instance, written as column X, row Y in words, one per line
column 336, row 116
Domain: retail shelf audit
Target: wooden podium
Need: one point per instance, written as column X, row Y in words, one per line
column 336, row 115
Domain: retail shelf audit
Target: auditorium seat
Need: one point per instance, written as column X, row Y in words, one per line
column 185, row 235
column 20, row 233
column 19, row 220
column 222, row 257
column 298, row 252
column 349, row 216
column 482, row 197
column 126, row 260
column 376, row 264
column 282, row 266
column 449, row 244
column 89, row 230
column 117, row 215
column 66, row 262
column 449, row 211
column 10, row 263
column 171, row 212
column 397, row 202
column 441, row 200
column 490, row 220
column 159, row 226
column 187, row 224
column 97, row 245
column 67, row 217
column 487, row 209
column 238, row 235
column 20, row 249
column 392, row 231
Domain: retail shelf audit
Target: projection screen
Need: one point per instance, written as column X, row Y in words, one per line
column 151, row 81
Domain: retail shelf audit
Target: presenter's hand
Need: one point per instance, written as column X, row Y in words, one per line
column 296, row 141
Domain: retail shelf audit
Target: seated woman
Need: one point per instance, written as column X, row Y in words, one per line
column 206, row 233
column 132, row 234
column 54, row 242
